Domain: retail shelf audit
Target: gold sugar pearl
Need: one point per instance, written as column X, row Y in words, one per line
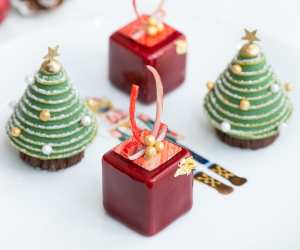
column 149, row 140
column 159, row 146
column 160, row 27
column 250, row 50
column 152, row 21
column 150, row 152
column 244, row 104
column 288, row 87
column 45, row 115
column 236, row 69
column 15, row 132
column 152, row 30
column 210, row 85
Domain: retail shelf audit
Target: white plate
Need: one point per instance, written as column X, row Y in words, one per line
column 41, row 210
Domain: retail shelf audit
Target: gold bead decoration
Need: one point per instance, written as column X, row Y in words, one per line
column 244, row 104
column 15, row 132
column 45, row 115
column 210, row 85
column 152, row 30
column 159, row 146
column 236, row 69
column 152, row 21
column 53, row 67
column 288, row 87
column 149, row 140
column 160, row 27
column 250, row 50
column 150, row 152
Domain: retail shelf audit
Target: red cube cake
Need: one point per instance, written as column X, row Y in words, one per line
column 132, row 48
column 4, row 7
column 146, row 201
column 147, row 180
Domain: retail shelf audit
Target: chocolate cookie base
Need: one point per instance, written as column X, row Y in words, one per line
column 36, row 5
column 245, row 144
column 52, row 165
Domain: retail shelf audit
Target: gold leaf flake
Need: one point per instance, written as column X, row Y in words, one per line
column 185, row 167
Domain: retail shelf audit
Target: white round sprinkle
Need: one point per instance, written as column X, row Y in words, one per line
column 275, row 88
column 48, row 3
column 225, row 126
column 86, row 121
column 29, row 79
column 47, row 149
column 282, row 126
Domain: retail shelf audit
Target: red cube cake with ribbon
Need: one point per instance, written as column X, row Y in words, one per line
column 147, row 180
column 147, row 41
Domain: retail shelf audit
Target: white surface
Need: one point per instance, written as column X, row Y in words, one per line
column 41, row 210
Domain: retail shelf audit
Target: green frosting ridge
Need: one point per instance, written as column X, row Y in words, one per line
column 64, row 131
column 269, row 108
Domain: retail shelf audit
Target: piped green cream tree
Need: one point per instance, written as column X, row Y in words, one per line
column 248, row 104
column 50, row 126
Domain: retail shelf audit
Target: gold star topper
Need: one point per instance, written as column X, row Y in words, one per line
column 250, row 36
column 52, row 53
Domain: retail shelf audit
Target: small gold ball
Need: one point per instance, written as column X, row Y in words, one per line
column 149, row 140
column 150, row 152
column 53, row 66
column 160, row 27
column 159, row 146
column 210, row 85
column 15, row 132
column 288, row 87
column 244, row 104
column 152, row 30
column 45, row 115
column 152, row 21
column 236, row 69
column 250, row 50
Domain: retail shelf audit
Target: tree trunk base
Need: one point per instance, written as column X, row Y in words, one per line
column 245, row 144
column 52, row 165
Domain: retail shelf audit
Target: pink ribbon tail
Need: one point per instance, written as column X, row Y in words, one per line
column 136, row 155
column 162, row 132
column 159, row 101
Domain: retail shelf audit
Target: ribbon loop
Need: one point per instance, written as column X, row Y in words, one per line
column 159, row 130
column 158, row 13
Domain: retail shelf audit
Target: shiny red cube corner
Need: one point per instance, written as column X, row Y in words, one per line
column 146, row 201
column 128, row 58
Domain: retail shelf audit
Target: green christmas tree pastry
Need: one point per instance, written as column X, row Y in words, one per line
column 50, row 126
column 247, row 105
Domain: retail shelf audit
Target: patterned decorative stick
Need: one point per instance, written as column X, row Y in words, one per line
column 216, row 168
column 213, row 183
column 234, row 179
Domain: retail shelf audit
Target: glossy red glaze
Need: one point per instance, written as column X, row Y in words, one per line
column 127, row 60
column 4, row 7
column 145, row 201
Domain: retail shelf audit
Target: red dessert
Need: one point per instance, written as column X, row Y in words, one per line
column 4, row 7
column 147, row 41
column 147, row 181
column 146, row 201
